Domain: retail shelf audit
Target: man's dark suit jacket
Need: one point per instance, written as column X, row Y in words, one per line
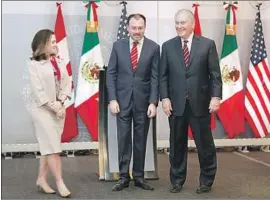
column 140, row 86
column 200, row 81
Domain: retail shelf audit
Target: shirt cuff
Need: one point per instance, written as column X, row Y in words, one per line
column 165, row 99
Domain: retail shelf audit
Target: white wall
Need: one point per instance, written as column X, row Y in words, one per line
column 21, row 19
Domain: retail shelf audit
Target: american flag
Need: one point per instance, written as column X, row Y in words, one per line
column 257, row 97
column 122, row 30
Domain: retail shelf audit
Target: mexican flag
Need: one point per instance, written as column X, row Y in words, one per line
column 231, row 112
column 87, row 93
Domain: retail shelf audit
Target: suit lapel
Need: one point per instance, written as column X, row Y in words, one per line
column 194, row 47
column 178, row 50
column 126, row 53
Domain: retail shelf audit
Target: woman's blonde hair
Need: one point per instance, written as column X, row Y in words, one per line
column 39, row 43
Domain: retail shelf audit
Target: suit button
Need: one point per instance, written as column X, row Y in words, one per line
column 187, row 94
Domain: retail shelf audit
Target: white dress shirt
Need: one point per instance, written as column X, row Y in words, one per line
column 139, row 46
column 189, row 42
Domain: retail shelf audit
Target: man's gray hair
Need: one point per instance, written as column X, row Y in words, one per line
column 189, row 15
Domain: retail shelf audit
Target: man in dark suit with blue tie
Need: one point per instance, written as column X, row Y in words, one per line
column 132, row 84
column 190, row 89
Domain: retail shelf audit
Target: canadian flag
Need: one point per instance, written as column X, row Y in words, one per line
column 197, row 31
column 71, row 126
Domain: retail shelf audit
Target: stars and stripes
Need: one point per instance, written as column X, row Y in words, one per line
column 122, row 30
column 257, row 98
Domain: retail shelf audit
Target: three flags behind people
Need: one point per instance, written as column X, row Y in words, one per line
column 231, row 113
column 71, row 127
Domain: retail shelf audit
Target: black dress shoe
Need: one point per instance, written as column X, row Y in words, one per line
column 120, row 185
column 176, row 188
column 203, row 189
column 142, row 184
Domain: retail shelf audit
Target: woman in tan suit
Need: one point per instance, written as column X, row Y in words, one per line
column 50, row 87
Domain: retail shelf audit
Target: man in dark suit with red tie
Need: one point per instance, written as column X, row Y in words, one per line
column 190, row 89
column 132, row 83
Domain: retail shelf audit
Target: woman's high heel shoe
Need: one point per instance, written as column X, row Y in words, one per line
column 63, row 191
column 46, row 191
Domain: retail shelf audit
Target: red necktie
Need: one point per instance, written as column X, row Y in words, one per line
column 134, row 55
column 186, row 52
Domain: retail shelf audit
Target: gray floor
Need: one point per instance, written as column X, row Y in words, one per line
column 237, row 177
